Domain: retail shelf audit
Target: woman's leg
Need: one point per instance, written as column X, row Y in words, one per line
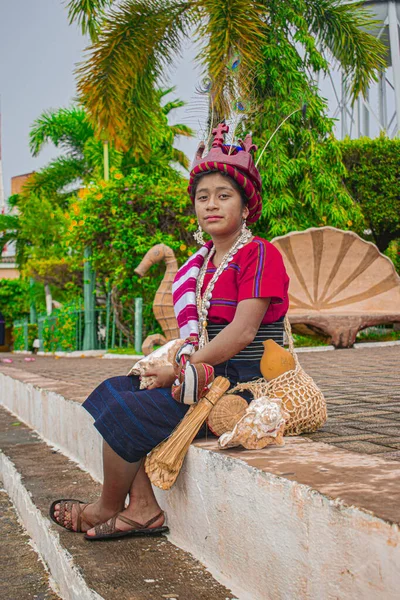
column 142, row 506
column 118, row 477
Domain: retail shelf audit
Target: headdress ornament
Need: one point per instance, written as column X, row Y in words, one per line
column 235, row 161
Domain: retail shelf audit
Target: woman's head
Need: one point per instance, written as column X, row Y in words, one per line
column 220, row 203
column 235, row 161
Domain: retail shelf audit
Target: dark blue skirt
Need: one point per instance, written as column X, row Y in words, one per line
column 134, row 421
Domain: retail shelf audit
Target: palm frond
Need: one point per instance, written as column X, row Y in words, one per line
column 342, row 27
column 180, row 129
column 66, row 128
column 116, row 84
column 59, row 174
column 89, row 15
column 232, row 33
column 9, row 222
column 180, row 157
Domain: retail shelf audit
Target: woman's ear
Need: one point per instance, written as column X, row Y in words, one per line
column 245, row 213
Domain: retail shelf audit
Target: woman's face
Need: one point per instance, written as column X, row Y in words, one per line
column 218, row 205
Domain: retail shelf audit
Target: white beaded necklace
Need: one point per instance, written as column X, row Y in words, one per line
column 203, row 302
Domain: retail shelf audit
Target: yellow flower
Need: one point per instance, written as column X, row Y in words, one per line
column 190, row 253
column 324, row 219
column 103, row 184
column 118, row 176
column 74, row 223
column 83, row 192
column 99, row 196
column 70, row 228
column 113, row 210
column 192, row 221
column 182, row 247
column 66, row 215
column 81, row 222
column 349, row 223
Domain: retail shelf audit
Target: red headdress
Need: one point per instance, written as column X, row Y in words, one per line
column 235, row 161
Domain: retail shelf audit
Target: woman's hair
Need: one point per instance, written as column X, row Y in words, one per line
column 234, row 184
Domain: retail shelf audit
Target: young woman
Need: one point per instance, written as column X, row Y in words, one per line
column 230, row 296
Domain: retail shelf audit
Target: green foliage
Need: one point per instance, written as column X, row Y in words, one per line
column 60, row 328
column 120, row 221
column 19, row 336
column 373, row 180
column 140, row 38
column 301, row 168
column 14, row 299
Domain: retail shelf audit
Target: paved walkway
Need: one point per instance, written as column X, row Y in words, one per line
column 23, row 576
column 362, row 388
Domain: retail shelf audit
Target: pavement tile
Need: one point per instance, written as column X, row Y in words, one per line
column 363, row 447
column 23, row 577
column 391, row 455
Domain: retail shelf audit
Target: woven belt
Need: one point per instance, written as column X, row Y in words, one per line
column 255, row 350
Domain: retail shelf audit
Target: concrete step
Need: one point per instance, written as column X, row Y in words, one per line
column 304, row 521
column 130, row 569
column 23, row 575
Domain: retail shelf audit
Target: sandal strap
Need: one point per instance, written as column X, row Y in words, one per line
column 107, row 527
column 66, row 507
column 136, row 525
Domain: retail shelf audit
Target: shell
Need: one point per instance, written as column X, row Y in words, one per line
column 336, row 275
column 275, row 360
column 224, row 416
column 262, row 425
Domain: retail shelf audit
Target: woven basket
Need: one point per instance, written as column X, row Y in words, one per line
column 224, row 416
column 301, row 397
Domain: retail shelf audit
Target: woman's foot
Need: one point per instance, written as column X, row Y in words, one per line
column 76, row 516
column 140, row 515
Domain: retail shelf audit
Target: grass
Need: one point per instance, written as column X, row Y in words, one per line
column 305, row 341
column 383, row 335
column 371, row 334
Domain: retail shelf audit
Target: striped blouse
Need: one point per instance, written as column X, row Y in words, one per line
column 256, row 271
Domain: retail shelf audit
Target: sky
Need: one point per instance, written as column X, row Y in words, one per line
column 38, row 54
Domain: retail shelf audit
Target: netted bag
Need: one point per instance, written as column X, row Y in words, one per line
column 302, row 399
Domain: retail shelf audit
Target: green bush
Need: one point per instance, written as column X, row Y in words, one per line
column 120, row 221
column 59, row 329
column 373, row 180
column 14, row 299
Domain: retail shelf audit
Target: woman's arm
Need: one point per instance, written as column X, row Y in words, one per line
column 235, row 336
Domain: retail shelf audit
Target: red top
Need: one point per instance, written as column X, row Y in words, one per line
column 256, row 271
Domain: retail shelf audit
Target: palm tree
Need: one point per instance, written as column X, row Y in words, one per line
column 135, row 40
column 70, row 130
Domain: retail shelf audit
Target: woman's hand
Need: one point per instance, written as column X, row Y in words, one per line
column 163, row 377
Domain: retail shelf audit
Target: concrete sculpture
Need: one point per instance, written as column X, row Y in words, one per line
column 339, row 283
column 162, row 305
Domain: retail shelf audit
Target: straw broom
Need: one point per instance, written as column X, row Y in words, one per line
column 164, row 462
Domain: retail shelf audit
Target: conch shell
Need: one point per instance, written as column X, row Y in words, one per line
column 263, row 424
column 162, row 357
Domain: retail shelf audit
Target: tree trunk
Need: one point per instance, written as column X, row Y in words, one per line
column 49, row 299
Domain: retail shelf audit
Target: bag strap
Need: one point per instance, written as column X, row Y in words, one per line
column 289, row 335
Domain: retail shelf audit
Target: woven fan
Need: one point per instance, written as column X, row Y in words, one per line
column 224, row 416
column 164, row 463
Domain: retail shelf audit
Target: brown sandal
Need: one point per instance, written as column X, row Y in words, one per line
column 108, row 530
column 66, row 506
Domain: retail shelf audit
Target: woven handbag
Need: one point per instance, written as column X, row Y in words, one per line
column 302, row 399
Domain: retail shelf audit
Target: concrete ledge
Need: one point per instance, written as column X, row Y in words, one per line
column 70, row 582
column 282, row 523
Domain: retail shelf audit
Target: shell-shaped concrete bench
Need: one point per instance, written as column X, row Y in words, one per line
column 339, row 283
